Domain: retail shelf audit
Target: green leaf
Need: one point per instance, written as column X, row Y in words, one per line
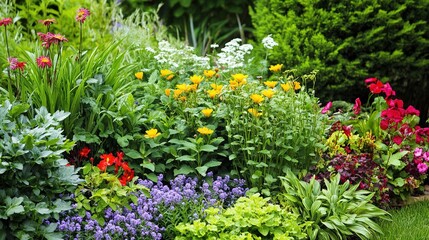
column 208, row 148
column 186, row 158
column 148, row 165
column 133, row 154
column 19, row 109
column 14, row 209
column 183, row 170
column 202, row 170
column 212, row 163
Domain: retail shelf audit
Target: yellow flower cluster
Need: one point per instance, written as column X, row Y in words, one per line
column 216, row 90
column 291, row 85
column 237, row 80
column 254, row 112
column 205, row 131
column 256, row 98
column 167, row 74
column 276, row 68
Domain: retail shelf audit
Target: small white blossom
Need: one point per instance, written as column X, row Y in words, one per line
column 233, row 54
column 269, row 42
column 214, row 45
column 149, row 49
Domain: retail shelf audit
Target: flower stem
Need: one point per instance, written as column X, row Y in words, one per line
column 9, row 82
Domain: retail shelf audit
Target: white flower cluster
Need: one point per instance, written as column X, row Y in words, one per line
column 233, row 54
column 173, row 58
column 269, row 42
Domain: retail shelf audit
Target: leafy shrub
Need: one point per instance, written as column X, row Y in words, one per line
column 349, row 41
column 336, row 212
column 33, row 172
column 155, row 216
column 249, row 218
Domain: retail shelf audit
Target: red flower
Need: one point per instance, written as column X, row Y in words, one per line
column 82, row 14
column 109, row 158
column 5, row 21
column 376, row 87
column 412, row 111
column 126, row 177
column 118, row 163
column 20, row 65
column 50, row 38
column 84, row 152
column 356, row 107
column 326, row 108
column 387, row 89
column 43, row 62
column 397, row 139
column 347, row 130
column 102, row 165
column 47, row 22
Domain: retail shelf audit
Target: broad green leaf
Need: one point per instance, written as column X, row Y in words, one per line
column 208, row 148
column 148, row 165
column 186, row 158
column 183, row 170
column 212, row 163
column 202, row 170
column 14, row 209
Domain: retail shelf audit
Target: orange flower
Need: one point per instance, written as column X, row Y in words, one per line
column 270, row 84
column 296, row 85
column 167, row 74
column 139, row 75
column 167, row 92
column 269, row 93
column 207, row 112
column 256, row 98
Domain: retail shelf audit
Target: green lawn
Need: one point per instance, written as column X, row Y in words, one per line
column 408, row 223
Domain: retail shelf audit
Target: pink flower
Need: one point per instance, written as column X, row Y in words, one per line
column 14, row 64
column 326, row 108
column 426, row 156
column 397, row 139
column 50, row 38
column 422, row 167
column 347, row 130
column 47, row 22
column 82, row 14
column 356, row 107
column 5, row 21
column 371, row 80
column 43, row 62
column 387, row 89
column 412, row 111
column 418, row 152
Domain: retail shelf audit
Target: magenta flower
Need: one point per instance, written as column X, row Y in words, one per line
column 356, row 107
column 5, row 21
column 50, row 38
column 418, row 152
column 47, row 22
column 82, row 14
column 15, row 64
column 43, row 62
column 412, row 111
column 326, row 108
column 426, row 156
column 422, row 167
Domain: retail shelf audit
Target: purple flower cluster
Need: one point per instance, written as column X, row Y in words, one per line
column 182, row 200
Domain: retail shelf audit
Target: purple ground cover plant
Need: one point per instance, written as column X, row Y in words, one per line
column 184, row 199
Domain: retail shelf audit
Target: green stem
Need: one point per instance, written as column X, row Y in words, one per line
column 9, row 82
column 80, row 44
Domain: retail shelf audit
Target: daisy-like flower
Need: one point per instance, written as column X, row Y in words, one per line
column 195, row 79
column 254, row 112
column 296, row 85
column 270, row 84
column 233, row 84
column 239, row 77
column 5, row 21
column 152, row 133
column 269, row 93
column 207, row 112
column 82, row 14
column 209, row 73
column 205, row 131
column 276, row 68
column 212, row 93
column 43, row 62
column 47, row 22
column 139, row 75
column 286, row 86
column 167, row 74
column 256, row 98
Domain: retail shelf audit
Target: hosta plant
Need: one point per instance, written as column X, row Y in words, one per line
column 337, row 211
column 33, row 173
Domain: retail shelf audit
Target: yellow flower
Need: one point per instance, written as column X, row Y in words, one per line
column 207, row 112
column 193, row 87
column 212, row 93
column 170, row 77
column 139, row 75
column 256, row 98
column 296, row 85
column 195, row 79
column 152, row 133
column 269, row 93
column 205, row 131
column 216, row 87
column 177, row 92
column 233, row 84
column 209, row 73
column 167, row 92
column 184, row 87
column 166, row 72
column 276, row 68
column 270, row 84
column 239, row 77
column 254, row 112
column 286, row 86
column 182, row 98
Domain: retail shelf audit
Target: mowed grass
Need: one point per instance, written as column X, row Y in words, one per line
column 409, row 223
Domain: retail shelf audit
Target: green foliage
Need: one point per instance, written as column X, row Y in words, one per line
column 336, row 211
column 199, row 23
column 102, row 190
column 33, row 173
column 251, row 217
column 283, row 134
column 349, row 41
